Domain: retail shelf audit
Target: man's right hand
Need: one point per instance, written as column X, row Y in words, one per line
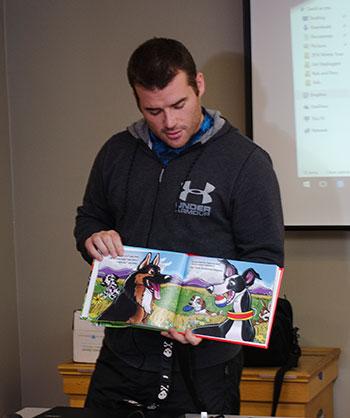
column 104, row 243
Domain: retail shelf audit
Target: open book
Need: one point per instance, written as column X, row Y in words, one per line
column 219, row 299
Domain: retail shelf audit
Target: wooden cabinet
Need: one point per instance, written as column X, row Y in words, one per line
column 307, row 391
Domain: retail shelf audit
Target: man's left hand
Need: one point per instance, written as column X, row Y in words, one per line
column 187, row 338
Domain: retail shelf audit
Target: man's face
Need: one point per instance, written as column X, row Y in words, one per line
column 174, row 113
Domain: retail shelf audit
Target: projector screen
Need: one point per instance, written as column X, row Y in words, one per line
column 299, row 70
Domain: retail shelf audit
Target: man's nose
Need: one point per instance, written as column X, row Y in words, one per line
column 169, row 119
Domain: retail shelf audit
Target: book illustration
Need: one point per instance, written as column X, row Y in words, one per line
column 198, row 305
column 264, row 314
column 221, row 299
column 219, row 295
column 233, row 292
column 112, row 289
column 134, row 302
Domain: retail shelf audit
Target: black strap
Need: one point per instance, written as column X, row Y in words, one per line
column 165, row 374
column 277, row 388
column 183, row 354
column 291, row 362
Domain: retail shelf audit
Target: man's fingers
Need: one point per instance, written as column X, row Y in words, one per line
column 116, row 242
column 104, row 243
column 173, row 335
column 92, row 251
column 100, row 244
column 187, row 338
column 192, row 338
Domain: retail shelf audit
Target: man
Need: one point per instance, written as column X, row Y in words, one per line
column 182, row 179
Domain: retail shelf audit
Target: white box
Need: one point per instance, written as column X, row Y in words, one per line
column 87, row 339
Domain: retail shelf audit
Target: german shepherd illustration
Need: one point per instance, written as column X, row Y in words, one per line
column 141, row 288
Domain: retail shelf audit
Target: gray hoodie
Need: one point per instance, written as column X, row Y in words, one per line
column 219, row 198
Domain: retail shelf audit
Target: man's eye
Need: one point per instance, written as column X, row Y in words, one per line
column 180, row 105
column 154, row 112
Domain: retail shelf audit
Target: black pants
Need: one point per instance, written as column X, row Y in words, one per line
column 115, row 382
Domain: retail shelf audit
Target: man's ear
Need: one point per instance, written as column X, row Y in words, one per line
column 200, row 84
column 136, row 98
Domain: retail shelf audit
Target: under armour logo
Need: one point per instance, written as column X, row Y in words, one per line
column 206, row 198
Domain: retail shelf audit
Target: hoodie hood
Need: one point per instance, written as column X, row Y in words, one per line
column 140, row 128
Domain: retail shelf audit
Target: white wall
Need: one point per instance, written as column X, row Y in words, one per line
column 68, row 92
column 317, row 280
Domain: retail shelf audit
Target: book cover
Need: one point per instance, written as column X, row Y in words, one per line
column 220, row 299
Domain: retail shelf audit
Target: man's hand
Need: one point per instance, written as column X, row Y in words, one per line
column 187, row 338
column 104, row 243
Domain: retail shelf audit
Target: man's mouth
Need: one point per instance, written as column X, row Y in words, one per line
column 173, row 134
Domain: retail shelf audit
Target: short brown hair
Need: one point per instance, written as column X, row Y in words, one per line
column 157, row 61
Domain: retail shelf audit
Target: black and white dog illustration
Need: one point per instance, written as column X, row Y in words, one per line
column 134, row 304
column 233, row 292
column 111, row 287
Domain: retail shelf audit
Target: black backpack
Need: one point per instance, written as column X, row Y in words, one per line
column 283, row 352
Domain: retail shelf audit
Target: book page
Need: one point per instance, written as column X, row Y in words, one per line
column 228, row 299
column 195, row 304
column 140, row 288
